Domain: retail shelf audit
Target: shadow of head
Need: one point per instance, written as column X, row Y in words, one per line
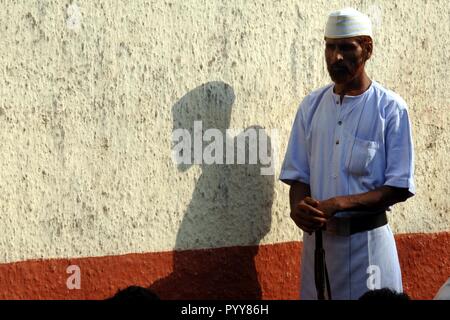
column 205, row 107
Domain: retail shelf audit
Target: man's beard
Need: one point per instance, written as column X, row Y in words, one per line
column 339, row 74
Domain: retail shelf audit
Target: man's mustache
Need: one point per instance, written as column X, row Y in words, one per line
column 338, row 68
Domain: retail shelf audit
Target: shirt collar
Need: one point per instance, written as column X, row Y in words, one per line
column 350, row 102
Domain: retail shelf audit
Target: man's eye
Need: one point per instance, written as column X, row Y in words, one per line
column 347, row 48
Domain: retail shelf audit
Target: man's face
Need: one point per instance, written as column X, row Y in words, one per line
column 345, row 59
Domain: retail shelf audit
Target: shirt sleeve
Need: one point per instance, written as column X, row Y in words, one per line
column 296, row 165
column 399, row 151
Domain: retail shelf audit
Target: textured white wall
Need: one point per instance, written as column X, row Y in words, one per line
column 87, row 100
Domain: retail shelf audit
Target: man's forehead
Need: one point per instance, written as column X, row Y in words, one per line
column 350, row 40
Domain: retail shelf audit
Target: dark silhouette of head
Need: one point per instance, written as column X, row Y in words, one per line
column 134, row 294
column 384, row 294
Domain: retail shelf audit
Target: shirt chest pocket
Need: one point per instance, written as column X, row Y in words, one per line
column 360, row 155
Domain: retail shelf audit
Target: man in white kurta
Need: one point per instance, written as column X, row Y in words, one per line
column 343, row 148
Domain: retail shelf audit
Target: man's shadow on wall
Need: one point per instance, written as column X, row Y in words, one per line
column 231, row 205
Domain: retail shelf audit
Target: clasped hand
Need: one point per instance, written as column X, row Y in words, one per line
column 311, row 215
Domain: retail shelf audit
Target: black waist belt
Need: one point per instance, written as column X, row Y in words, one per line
column 358, row 223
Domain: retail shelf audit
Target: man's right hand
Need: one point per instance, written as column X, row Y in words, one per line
column 307, row 217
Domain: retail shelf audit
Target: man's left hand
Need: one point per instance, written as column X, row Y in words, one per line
column 329, row 207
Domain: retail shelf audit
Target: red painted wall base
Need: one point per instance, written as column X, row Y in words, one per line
column 248, row 272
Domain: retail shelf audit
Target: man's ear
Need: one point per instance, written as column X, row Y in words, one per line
column 369, row 50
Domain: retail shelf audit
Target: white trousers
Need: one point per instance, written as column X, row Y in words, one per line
column 363, row 261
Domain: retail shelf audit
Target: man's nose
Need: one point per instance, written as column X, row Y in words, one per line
column 338, row 56
column 335, row 56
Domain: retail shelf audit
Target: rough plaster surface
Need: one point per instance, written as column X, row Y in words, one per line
column 88, row 97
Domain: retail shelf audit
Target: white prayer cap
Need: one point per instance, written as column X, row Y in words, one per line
column 346, row 23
